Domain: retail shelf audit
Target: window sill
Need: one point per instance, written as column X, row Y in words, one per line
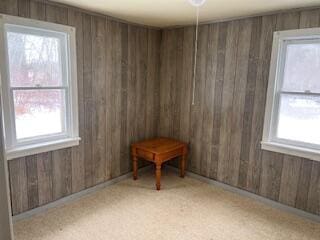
column 41, row 147
column 309, row 153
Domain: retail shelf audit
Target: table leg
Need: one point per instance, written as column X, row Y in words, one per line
column 135, row 168
column 182, row 166
column 158, row 175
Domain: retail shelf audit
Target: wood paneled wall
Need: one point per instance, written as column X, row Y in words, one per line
column 122, row 99
column 224, row 127
column 118, row 84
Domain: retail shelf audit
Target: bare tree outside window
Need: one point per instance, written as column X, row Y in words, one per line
column 35, row 62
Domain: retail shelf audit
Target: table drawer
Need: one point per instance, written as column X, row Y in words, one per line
column 172, row 154
column 144, row 154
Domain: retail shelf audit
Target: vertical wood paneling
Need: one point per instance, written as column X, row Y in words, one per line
column 118, row 74
column 217, row 104
column 77, row 153
column 108, row 93
column 249, row 101
column 24, row 8
column 9, row 7
column 207, row 123
column 115, row 94
column 289, row 180
column 224, row 164
column 176, row 86
column 225, row 126
column 61, row 175
column 18, row 185
column 88, row 100
column 131, row 87
column 303, row 184
column 255, row 154
column 152, row 96
column 186, row 82
column 32, row 181
column 168, row 72
column 98, row 98
column 45, row 172
column 313, row 204
column 197, row 108
column 124, row 153
column 238, row 103
column 37, row 10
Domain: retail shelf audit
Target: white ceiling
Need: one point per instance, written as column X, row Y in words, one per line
column 163, row 13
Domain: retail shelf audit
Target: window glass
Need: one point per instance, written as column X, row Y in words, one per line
column 39, row 112
column 302, row 68
column 34, row 60
column 299, row 118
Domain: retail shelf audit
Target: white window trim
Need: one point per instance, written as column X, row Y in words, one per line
column 65, row 140
column 272, row 103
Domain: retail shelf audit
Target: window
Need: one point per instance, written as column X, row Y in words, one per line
column 39, row 86
column 292, row 117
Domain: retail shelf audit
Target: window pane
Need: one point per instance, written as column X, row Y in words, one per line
column 34, row 60
column 299, row 118
column 39, row 112
column 302, row 68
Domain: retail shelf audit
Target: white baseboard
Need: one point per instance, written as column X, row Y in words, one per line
column 274, row 204
column 74, row 197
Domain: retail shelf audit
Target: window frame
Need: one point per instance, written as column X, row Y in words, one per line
column 270, row 141
column 50, row 142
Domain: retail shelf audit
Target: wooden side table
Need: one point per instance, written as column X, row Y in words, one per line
column 158, row 151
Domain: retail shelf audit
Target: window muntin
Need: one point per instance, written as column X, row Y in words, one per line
column 39, row 85
column 292, row 118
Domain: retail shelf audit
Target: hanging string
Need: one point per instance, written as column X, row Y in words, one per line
column 195, row 59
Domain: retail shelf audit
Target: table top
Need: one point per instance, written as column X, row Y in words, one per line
column 159, row 145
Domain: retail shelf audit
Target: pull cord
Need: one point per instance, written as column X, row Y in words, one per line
column 195, row 59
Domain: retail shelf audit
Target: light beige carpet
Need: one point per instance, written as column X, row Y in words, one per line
column 183, row 209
